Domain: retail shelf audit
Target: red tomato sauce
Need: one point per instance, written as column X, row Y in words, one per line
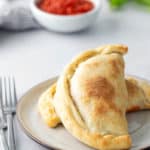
column 66, row 7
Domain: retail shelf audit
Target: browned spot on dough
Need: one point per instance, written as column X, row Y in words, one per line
column 99, row 87
column 133, row 108
column 117, row 66
column 101, row 108
column 104, row 107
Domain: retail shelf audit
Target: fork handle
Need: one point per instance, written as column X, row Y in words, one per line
column 11, row 137
column 3, row 140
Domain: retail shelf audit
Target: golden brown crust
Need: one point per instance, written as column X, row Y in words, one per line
column 117, row 66
column 132, row 88
column 71, row 115
column 116, row 48
column 105, row 107
column 46, row 108
column 137, row 91
column 99, row 87
column 145, row 86
column 133, row 108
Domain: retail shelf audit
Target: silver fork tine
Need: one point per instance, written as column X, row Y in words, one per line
column 4, row 101
column 2, row 121
column 13, row 91
column 8, row 94
column 9, row 109
column 1, row 104
column 2, row 135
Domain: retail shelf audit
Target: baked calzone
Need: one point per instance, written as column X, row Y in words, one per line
column 92, row 96
column 138, row 97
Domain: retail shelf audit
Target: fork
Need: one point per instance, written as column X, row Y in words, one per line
column 3, row 125
column 2, row 134
column 9, row 103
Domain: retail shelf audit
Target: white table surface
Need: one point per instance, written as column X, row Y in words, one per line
column 36, row 55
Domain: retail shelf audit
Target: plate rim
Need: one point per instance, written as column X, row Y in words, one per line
column 22, row 125
column 28, row 133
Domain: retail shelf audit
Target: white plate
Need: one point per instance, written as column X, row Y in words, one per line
column 59, row 138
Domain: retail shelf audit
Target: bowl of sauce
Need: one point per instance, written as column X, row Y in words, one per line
column 66, row 7
column 65, row 15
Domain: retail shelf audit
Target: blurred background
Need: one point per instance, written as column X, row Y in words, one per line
column 33, row 53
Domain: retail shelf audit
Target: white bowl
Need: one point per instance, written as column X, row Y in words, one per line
column 70, row 23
